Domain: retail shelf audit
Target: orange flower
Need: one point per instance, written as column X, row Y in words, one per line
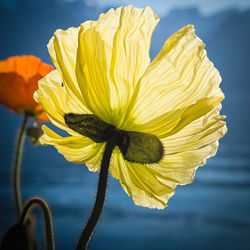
column 19, row 77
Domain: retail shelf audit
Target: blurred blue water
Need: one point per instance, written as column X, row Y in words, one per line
column 211, row 213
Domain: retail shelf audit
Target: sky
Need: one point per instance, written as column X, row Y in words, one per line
column 162, row 7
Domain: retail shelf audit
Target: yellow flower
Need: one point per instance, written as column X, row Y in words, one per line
column 104, row 69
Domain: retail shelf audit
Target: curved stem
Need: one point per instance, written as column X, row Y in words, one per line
column 100, row 198
column 17, row 163
column 29, row 205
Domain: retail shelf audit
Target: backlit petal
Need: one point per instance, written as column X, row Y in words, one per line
column 179, row 76
column 175, row 120
column 190, row 148
column 140, row 183
column 56, row 101
column 153, row 185
column 179, row 169
column 63, row 49
column 198, row 134
column 78, row 149
column 113, row 53
column 188, row 159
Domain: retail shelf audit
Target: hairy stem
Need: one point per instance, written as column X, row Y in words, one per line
column 28, row 206
column 100, row 198
column 17, row 165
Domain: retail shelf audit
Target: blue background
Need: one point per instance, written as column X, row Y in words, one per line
column 211, row 213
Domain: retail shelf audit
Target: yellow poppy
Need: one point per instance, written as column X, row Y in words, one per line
column 103, row 69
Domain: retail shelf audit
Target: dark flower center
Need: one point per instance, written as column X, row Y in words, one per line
column 136, row 147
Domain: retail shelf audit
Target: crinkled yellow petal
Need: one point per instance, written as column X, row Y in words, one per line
column 153, row 185
column 56, row 101
column 112, row 55
column 179, row 169
column 78, row 149
column 189, row 158
column 190, row 148
column 199, row 133
column 63, row 49
column 173, row 121
column 140, row 183
column 178, row 77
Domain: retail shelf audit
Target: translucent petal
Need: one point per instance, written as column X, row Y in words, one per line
column 63, row 49
column 113, row 53
column 179, row 169
column 197, row 134
column 172, row 122
column 179, row 76
column 152, row 185
column 56, row 100
column 189, row 158
column 140, row 183
column 191, row 147
column 78, row 149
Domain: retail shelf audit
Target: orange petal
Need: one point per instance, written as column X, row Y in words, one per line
column 26, row 66
column 13, row 94
column 19, row 77
column 41, row 113
column 31, row 87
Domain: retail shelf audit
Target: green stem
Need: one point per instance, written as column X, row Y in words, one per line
column 30, row 204
column 100, row 198
column 17, row 165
